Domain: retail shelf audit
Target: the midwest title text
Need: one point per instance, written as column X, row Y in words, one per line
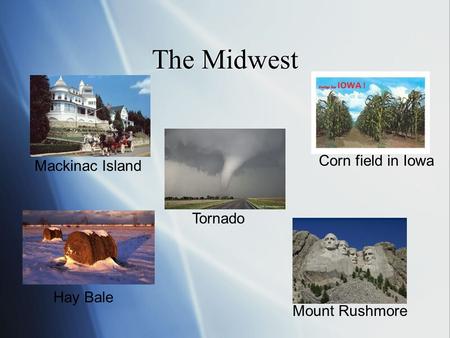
column 224, row 59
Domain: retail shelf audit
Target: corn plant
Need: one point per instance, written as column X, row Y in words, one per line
column 332, row 117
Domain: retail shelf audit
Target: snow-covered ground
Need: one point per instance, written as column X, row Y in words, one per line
column 44, row 262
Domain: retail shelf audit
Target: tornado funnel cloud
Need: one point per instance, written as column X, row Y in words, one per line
column 231, row 164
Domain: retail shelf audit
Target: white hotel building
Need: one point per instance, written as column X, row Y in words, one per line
column 78, row 105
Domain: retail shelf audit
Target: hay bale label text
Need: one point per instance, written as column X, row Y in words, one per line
column 89, row 297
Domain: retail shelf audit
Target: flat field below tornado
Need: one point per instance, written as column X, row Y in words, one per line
column 268, row 202
column 193, row 204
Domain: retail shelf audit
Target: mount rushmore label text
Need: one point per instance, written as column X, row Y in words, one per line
column 348, row 311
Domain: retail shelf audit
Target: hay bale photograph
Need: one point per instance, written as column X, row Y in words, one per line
column 98, row 247
column 52, row 233
column 88, row 247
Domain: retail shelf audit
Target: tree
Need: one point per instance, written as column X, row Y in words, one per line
column 40, row 104
column 43, row 221
column 386, row 286
column 380, row 281
column 134, row 129
column 102, row 111
column 138, row 120
column 147, row 126
column 402, row 290
column 135, row 220
column 325, row 298
column 316, row 289
column 141, row 123
column 118, row 124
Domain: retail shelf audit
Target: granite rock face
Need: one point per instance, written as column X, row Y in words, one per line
column 397, row 260
column 361, row 292
column 302, row 243
column 375, row 273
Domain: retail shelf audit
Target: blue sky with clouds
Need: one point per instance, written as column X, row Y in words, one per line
column 133, row 91
column 356, row 97
column 358, row 232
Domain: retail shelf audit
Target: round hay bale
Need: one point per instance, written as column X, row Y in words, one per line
column 51, row 232
column 88, row 247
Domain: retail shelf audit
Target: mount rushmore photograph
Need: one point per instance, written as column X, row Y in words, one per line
column 349, row 260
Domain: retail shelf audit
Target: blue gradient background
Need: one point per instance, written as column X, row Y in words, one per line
column 70, row 38
column 213, row 281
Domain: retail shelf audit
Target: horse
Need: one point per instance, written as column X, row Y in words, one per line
column 92, row 140
column 109, row 143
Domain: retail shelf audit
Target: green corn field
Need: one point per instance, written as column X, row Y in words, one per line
column 385, row 114
column 333, row 118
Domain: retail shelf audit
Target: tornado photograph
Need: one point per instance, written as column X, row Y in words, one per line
column 225, row 169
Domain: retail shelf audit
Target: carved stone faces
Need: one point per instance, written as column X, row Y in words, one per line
column 353, row 255
column 369, row 254
column 343, row 247
column 330, row 241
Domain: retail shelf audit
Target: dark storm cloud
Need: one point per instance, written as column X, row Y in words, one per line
column 206, row 160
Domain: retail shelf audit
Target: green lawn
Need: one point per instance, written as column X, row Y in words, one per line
column 268, row 203
column 193, row 204
column 41, row 148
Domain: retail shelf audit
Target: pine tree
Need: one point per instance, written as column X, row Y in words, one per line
column 316, row 289
column 402, row 290
column 325, row 298
column 118, row 124
column 40, row 104
column 102, row 111
column 380, row 281
column 147, row 126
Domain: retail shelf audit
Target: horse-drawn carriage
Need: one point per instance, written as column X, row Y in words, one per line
column 111, row 142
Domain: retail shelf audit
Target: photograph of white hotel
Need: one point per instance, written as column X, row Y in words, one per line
column 79, row 105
